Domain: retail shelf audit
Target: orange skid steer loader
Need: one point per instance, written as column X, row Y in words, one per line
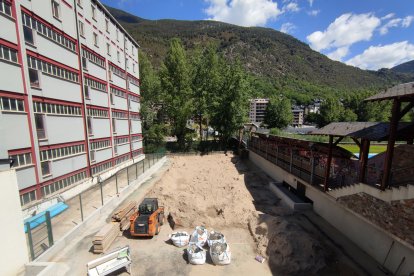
column 147, row 221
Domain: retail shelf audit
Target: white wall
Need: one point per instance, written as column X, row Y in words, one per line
column 13, row 84
column 64, row 129
column 69, row 164
column 122, row 149
column 122, row 127
column 97, row 97
column 136, row 127
column 136, row 145
column 96, row 71
column 103, row 154
column 55, row 88
column 101, row 128
column 47, row 47
column 26, row 177
column 120, row 103
column 13, row 246
column 134, row 106
column 16, row 127
column 8, row 29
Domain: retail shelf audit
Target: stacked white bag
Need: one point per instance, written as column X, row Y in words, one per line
column 196, row 255
column 199, row 236
column 214, row 237
column 180, row 239
column 220, row 253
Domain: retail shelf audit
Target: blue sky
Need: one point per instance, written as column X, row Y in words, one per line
column 370, row 34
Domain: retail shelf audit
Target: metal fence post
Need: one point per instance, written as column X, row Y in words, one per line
column 116, row 183
column 143, row 166
column 29, row 237
column 100, row 185
column 128, row 175
column 49, row 228
column 136, row 170
column 81, row 207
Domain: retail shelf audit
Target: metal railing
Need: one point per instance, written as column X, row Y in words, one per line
column 39, row 235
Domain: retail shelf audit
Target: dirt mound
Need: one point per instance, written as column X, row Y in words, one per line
column 209, row 191
column 290, row 249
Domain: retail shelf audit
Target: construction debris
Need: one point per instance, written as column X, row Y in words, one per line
column 196, row 255
column 199, row 236
column 180, row 239
column 123, row 214
column 220, row 253
column 104, row 238
column 214, row 237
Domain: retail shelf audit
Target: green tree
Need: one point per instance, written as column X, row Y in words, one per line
column 176, row 86
column 229, row 103
column 278, row 113
column 205, row 80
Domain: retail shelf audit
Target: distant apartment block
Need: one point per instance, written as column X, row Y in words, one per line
column 257, row 110
column 69, row 93
column 298, row 116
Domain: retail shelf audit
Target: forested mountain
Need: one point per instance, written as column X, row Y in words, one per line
column 407, row 67
column 277, row 61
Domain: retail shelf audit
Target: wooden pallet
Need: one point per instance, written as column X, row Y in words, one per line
column 104, row 238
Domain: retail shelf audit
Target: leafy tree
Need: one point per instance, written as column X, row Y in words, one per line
column 205, row 80
column 229, row 103
column 176, row 85
column 278, row 113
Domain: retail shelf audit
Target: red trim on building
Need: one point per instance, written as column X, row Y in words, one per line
column 19, row 151
column 12, row 95
column 122, row 136
column 55, row 101
column 62, row 177
column 52, row 61
column 9, row 44
column 89, row 106
column 102, row 162
column 93, row 52
column 80, row 15
column 116, row 66
column 135, row 113
column 87, row 21
column 35, row 187
column 95, row 78
column 67, row 4
column 26, row 105
column 100, row 139
column 132, row 77
column 43, row 21
column 62, row 145
column 119, row 88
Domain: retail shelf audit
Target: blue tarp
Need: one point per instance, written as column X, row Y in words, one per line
column 41, row 217
column 370, row 155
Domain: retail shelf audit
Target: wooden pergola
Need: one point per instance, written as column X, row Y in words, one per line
column 402, row 97
column 362, row 133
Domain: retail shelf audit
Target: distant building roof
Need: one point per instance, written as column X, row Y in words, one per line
column 401, row 91
column 373, row 131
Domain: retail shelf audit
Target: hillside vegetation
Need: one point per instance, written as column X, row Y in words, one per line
column 407, row 67
column 276, row 61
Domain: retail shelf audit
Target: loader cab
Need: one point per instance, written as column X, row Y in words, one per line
column 148, row 206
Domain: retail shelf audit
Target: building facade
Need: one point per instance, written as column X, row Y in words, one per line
column 298, row 116
column 69, row 94
column 257, row 110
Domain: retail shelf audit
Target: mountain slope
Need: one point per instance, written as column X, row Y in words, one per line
column 407, row 67
column 264, row 52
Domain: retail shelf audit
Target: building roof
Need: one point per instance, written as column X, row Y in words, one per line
column 401, row 91
column 373, row 131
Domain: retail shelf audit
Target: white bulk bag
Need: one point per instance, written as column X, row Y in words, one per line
column 180, row 239
column 199, row 236
column 220, row 253
column 214, row 237
column 196, row 255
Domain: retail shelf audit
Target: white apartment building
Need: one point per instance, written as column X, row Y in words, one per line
column 257, row 110
column 69, row 94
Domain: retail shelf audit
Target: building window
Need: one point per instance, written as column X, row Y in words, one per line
column 116, row 149
column 118, row 55
column 34, row 78
column 96, row 84
column 108, row 49
column 51, row 108
column 8, row 54
column 51, row 154
column 51, row 69
column 55, row 9
column 79, row 2
column 100, row 144
column 112, row 98
column 93, row 12
column 27, row 198
column 5, row 7
column 86, row 91
column 113, row 125
column 117, row 35
column 107, row 25
column 20, row 160
column 89, row 123
column 8, row 104
column 95, row 112
column 93, row 58
column 28, row 35
column 92, row 155
column 127, row 63
column 81, row 29
column 40, row 126
column 95, row 39
column 85, row 63
column 133, row 67
column 45, row 168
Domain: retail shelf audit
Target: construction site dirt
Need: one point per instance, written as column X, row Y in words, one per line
column 230, row 195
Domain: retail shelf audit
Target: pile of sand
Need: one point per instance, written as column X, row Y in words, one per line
column 219, row 191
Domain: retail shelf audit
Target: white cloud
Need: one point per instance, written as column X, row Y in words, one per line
column 287, row 28
column 314, row 12
column 291, row 7
column 388, row 16
column 396, row 22
column 344, row 31
column 243, row 12
column 387, row 56
column 339, row 53
column 407, row 21
column 310, row 3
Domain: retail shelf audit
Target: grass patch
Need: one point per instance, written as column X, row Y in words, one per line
column 372, row 148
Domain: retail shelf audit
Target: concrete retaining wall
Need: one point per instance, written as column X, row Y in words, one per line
column 368, row 236
column 295, row 206
column 91, row 220
column 399, row 193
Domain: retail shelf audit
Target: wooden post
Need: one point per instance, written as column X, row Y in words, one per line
column 328, row 165
column 363, row 160
column 291, row 160
column 396, row 105
column 312, row 172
